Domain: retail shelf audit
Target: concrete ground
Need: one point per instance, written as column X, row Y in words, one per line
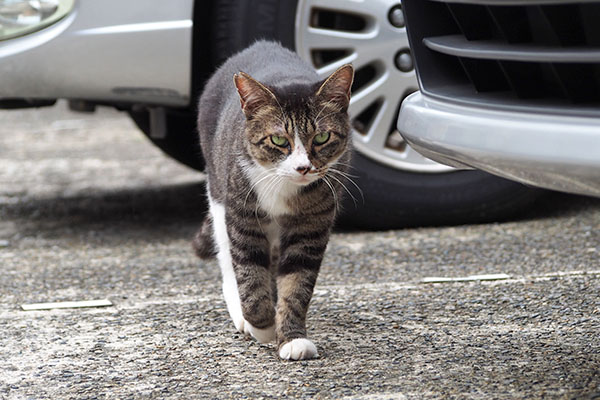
column 90, row 210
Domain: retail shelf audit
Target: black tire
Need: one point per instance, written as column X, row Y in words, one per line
column 395, row 198
column 239, row 23
column 180, row 140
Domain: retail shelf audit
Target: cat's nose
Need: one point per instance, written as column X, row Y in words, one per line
column 303, row 169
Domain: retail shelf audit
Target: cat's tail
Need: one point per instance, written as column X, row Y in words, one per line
column 203, row 242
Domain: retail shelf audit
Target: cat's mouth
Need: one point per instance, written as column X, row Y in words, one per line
column 303, row 180
column 307, row 179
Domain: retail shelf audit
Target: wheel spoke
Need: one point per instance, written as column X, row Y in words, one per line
column 319, row 38
column 362, row 99
column 355, row 59
column 380, row 127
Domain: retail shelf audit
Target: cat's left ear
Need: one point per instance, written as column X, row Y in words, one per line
column 253, row 94
column 336, row 88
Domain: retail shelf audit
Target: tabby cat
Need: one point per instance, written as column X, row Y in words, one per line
column 276, row 153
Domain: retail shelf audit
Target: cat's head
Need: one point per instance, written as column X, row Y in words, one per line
column 298, row 131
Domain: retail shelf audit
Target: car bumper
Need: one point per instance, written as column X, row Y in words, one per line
column 550, row 151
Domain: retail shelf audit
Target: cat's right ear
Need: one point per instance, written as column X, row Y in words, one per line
column 337, row 87
column 253, row 94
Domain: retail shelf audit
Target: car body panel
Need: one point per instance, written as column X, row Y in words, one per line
column 106, row 51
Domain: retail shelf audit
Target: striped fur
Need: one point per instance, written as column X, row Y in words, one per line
column 272, row 205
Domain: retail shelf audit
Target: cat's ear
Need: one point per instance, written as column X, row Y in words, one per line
column 253, row 94
column 336, row 88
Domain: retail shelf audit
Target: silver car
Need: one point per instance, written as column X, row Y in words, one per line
column 512, row 88
column 150, row 58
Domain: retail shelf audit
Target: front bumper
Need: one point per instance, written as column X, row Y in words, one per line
column 550, row 151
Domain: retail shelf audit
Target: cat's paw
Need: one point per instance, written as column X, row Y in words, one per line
column 298, row 349
column 265, row 335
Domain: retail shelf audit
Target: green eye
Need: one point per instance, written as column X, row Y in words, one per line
column 321, row 138
column 279, row 141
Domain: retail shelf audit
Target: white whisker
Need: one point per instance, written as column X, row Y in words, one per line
column 347, row 177
column 345, row 174
column 346, row 189
column 335, row 199
column 346, row 165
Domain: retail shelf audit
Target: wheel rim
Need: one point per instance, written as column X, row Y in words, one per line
column 370, row 34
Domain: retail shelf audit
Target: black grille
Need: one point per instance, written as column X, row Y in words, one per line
column 527, row 53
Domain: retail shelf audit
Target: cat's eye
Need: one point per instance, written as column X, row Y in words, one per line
column 321, row 138
column 279, row 141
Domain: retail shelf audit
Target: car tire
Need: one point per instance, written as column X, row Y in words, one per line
column 392, row 199
column 178, row 139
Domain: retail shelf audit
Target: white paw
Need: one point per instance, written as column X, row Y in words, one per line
column 298, row 349
column 266, row 335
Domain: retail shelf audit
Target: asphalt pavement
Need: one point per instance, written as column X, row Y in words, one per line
column 90, row 210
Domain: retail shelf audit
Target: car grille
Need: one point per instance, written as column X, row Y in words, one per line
column 520, row 54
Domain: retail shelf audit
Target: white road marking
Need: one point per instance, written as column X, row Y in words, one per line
column 66, row 304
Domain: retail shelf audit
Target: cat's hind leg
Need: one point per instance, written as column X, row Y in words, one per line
column 262, row 330
column 203, row 243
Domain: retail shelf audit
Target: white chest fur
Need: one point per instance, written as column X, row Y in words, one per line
column 272, row 190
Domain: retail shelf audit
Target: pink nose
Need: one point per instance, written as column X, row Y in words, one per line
column 303, row 170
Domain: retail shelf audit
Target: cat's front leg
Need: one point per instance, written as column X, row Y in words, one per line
column 244, row 261
column 302, row 248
